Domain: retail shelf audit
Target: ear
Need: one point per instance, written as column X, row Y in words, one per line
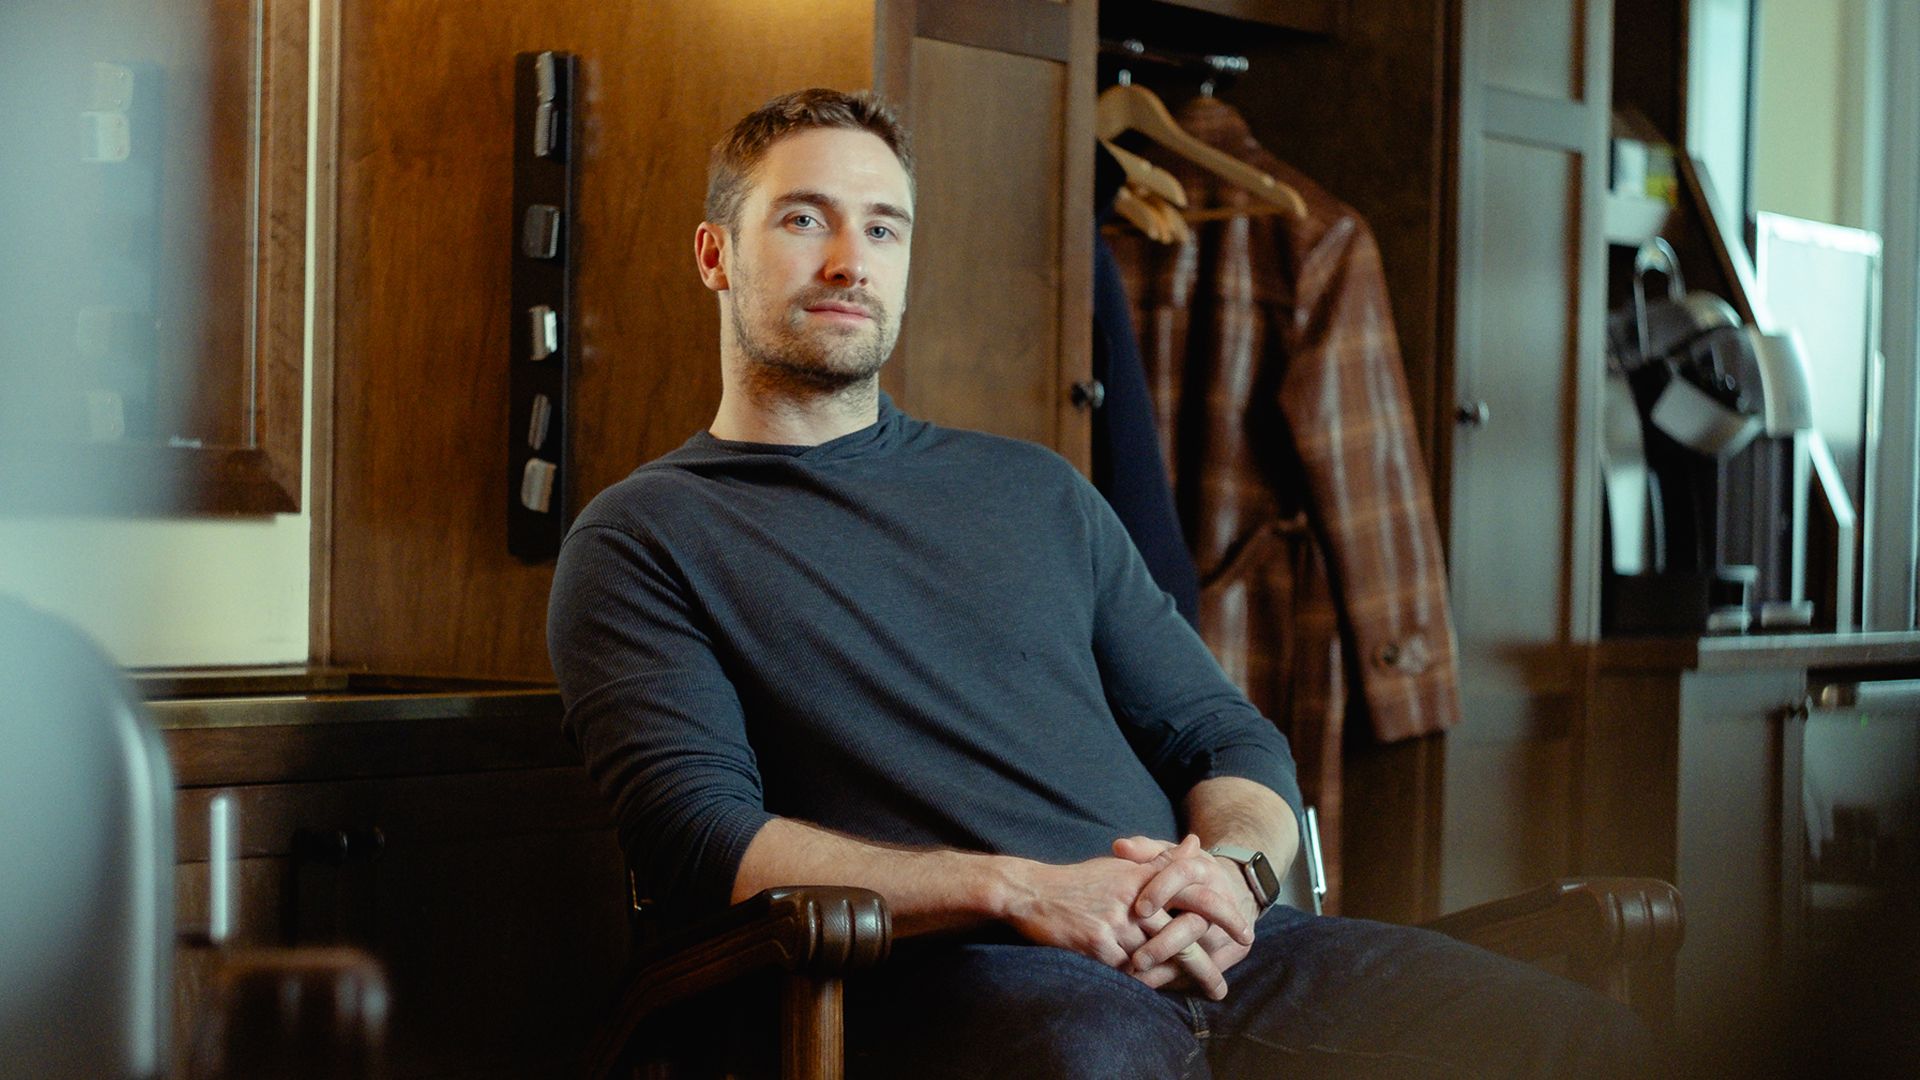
column 710, row 255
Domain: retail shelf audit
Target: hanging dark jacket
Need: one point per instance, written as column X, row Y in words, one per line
column 1127, row 464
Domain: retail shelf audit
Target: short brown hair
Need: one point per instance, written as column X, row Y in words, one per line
column 731, row 165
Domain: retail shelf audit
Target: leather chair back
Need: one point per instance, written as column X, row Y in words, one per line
column 86, row 861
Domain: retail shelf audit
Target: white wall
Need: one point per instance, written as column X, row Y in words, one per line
column 169, row 593
column 1808, row 109
column 162, row 592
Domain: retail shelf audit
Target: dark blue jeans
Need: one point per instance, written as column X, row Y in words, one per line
column 1317, row 997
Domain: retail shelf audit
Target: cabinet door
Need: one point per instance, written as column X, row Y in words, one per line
column 1533, row 130
column 1731, row 810
column 999, row 94
column 496, row 903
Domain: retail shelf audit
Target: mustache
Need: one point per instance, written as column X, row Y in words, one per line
column 824, row 294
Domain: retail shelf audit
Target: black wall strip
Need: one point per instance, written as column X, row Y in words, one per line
column 539, row 454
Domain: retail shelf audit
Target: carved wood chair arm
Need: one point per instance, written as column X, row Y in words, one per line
column 815, row 933
column 308, row 1011
column 1617, row 935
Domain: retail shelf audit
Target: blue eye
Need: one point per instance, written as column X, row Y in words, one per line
column 803, row 221
column 879, row 232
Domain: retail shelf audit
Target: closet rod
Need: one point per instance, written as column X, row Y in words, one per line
column 1135, row 49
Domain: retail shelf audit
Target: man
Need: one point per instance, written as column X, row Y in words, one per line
column 825, row 643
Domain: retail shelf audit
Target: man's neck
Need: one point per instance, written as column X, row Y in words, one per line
column 788, row 417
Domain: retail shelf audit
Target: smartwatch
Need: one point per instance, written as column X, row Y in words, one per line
column 1261, row 880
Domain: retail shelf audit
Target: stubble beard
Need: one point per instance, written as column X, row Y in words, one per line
column 791, row 359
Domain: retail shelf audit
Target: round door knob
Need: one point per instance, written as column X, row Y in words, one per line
column 1089, row 395
column 1471, row 414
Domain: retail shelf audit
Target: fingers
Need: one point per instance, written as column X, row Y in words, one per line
column 1133, row 935
column 1110, row 953
column 1218, row 908
column 1171, row 941
column 1162, row 976
column 1140, row 849
column 1176, row 952
column 1188, row 883
column 1202, row 970
column 1180, row 870
column 1170, row 882
column 1222, row 950
column 1127, row 937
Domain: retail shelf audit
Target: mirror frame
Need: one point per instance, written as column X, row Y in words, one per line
column 262, row 474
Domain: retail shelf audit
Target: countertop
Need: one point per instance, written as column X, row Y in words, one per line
column 1744, row 652
column 271, row 697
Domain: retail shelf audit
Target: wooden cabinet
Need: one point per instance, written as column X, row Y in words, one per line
column 1689, row 770
column 456, row 838
column 999, row 94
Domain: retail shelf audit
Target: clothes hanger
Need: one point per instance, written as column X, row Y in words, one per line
column 1135, row 209
column 1130, row 107
column 1144, row 175
column 1152, row 215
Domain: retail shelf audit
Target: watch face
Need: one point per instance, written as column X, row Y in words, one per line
column 1262, row 871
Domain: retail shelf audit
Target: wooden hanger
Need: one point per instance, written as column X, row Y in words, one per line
column 1136, row 108
column 1152, row 215
column 1145, row 176
column 1135, row 209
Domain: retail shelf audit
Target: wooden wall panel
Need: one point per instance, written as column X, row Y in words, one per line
column 421, row 579
column 1509, row 818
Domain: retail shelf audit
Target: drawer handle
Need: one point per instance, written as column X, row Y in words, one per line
column 337, row 847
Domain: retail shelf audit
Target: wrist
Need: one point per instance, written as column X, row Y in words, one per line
column 1241, row 890
column 1000, row 886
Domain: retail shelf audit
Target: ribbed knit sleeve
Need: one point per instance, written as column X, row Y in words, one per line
column 1182, row 715
column 654, row 715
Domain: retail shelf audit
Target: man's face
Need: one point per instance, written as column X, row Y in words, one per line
column 815, row 273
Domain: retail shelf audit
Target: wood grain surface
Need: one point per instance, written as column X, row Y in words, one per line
column 999, row 324
column 421, row 579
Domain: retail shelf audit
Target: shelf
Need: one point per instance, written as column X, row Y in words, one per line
column 1311, row 16
column 1633, row 220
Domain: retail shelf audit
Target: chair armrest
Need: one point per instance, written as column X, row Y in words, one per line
column 1599, row 921
column 819, row 931
column 1617, row 935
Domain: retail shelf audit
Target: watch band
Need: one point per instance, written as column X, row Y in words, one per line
column 1261, row 880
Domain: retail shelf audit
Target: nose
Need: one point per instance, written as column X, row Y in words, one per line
column 846, row 262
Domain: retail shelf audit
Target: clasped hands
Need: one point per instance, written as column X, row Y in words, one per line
column 1167, row 914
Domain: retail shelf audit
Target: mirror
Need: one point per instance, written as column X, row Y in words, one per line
column 152, row 255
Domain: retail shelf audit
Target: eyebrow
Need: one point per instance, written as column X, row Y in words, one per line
column 828, row 202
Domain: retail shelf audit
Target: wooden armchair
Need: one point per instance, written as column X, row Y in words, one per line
column 1616, row 935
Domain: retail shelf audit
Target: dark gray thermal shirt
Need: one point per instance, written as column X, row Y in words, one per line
column 910, row 634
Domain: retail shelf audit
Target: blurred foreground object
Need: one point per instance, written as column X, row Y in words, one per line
column 87, row 904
